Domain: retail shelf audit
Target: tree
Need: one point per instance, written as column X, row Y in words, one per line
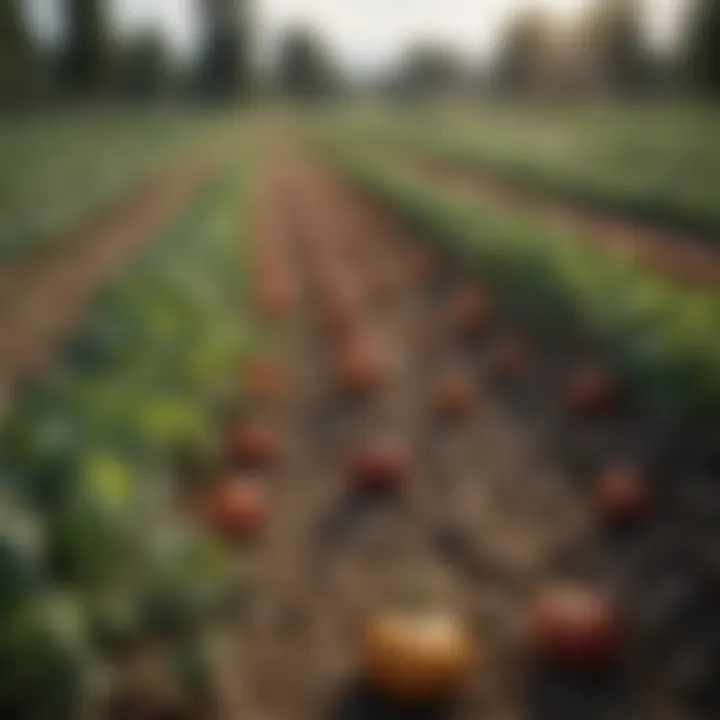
column 18, row 64
column 86, row 62
column 703, row 47
column 144, row 66
column 430, row 68
column 224, row 64
column 613, row 35
column 524, row 53
column 304, row 67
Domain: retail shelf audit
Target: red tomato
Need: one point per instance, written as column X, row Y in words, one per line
column 622, row 494
column 380, row 464
column 237, row 508
column 575, row 625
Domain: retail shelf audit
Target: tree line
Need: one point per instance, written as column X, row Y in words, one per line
column 604, row 54
column 91, row 62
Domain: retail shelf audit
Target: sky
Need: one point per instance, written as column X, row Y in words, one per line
column 366, row 35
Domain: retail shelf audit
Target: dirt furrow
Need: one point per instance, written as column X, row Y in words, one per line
column 484, row 521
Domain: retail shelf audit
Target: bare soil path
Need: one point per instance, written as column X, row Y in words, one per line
column 489, row 515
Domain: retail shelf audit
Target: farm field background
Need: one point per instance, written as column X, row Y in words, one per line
column 55, row 172
column 270, row 377
column 657, row 164
column 652, row 298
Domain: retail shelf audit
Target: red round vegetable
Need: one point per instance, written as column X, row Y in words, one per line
column 575, row 625
column 380, row 464
column 237, row 508
column 622, row 494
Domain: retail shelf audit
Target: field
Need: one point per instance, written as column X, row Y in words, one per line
column 360, row 416
column 661, row 165
column 54, row 173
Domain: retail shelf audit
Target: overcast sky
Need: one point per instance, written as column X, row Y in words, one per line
column 365, row 34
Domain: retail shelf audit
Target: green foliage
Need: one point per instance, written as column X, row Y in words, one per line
column 56, row 172
column 304, row 68
column 613, row 34
column 90, row 535
column 224, row 71
column 429, row 68
column 525, row 47
column 185, row 583
column 18, row 64
column 86, row 61
column 87, row 466
column 44, row 658
column 22, row 554
column 703, row 48
column 660, row 165
column 144, row 66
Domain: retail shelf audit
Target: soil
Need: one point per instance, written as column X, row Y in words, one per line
column 498, row 506
column 43, row 297
column 674, row 254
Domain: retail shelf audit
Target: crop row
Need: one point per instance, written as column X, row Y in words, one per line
column 654, row 168
column 53, row 176
column 363, row 271
column 97, row 547
column 663, row 337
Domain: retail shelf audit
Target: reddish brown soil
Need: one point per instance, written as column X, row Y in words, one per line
column 43, row 297
column 497, row 507
column 673, row 254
